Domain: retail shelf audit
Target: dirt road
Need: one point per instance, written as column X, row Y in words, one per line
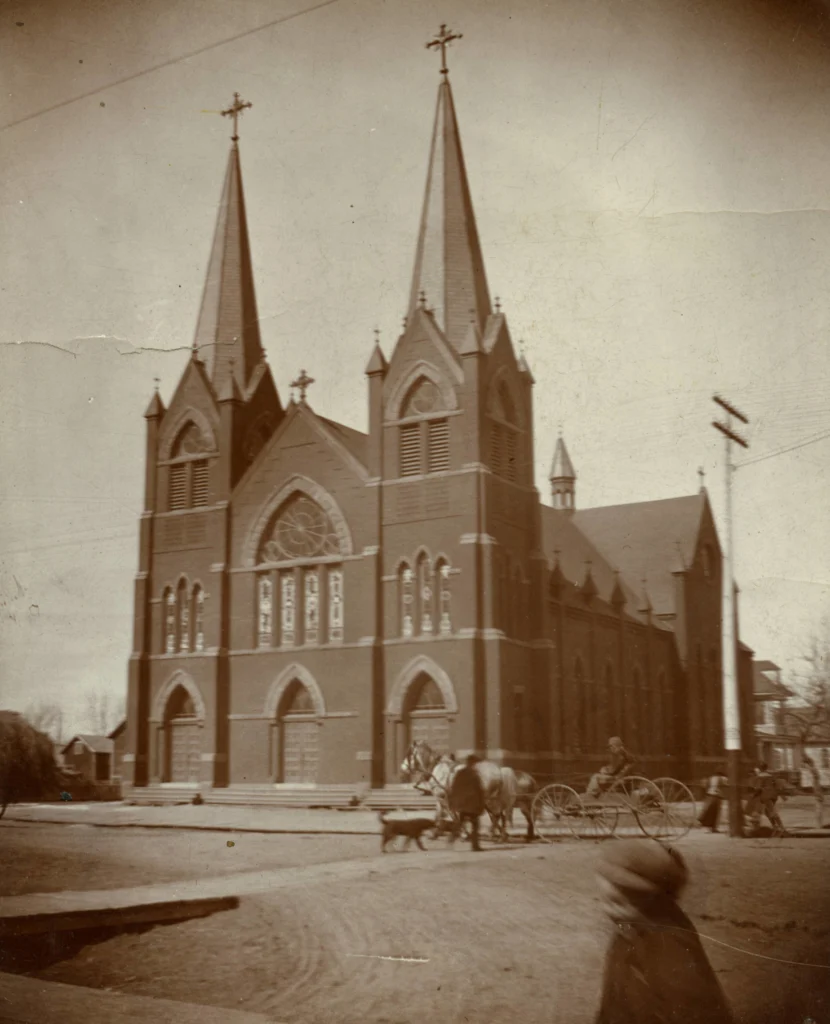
column 479, row 939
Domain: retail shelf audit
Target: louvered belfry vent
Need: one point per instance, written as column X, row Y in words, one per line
column 439, row 446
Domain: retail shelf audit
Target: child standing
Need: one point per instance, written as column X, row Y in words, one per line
column 656, row 971
column 715, row 792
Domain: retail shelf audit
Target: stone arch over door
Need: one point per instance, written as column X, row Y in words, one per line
column 179, row 711
column 295, row 709
column 422, row 704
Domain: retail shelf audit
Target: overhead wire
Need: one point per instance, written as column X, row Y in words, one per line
column 167, row 63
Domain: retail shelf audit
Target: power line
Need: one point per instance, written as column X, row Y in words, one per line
column 168, row 63
column 783, row 451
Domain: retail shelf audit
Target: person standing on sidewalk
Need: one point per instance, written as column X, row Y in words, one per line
column 467, row 797
column 815, row 781
column 715, row 792
column 656, row 970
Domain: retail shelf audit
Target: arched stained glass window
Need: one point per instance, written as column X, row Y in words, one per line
column 300, row 529
column 265, row 596
column 425, row 596
column 183, row 616
column 169, row 622
column 198, row 618
column 406, row 580
column 442, row 579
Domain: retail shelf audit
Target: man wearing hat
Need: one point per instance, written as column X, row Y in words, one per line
column 467, row 797
column 619, row 764
column 656, row 971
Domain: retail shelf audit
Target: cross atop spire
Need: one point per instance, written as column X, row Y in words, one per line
column 442, row 40
column 234, row 111
column 302, row 384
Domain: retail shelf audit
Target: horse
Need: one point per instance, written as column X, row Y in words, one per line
column 504, row 788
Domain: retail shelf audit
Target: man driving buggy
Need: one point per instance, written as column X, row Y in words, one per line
column 620, row 764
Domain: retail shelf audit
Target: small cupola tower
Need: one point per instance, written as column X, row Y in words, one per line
column 562, row 479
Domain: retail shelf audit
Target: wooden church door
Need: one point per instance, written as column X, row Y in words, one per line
column 300, row 738
column 427, row 718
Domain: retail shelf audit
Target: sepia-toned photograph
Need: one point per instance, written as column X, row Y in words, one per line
column 414, row 533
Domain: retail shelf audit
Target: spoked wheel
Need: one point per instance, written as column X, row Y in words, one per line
column 556, row 810
column 640, row 805
column 681, row 809
column 598, row 821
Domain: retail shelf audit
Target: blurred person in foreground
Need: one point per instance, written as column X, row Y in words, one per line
column 656, row 971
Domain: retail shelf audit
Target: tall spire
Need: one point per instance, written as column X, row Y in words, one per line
column 562, row 478
column 449, row 268
column 227, row 334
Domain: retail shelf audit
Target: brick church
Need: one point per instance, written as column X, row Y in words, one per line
column 311, row 598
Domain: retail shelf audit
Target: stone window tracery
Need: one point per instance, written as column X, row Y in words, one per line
column 301, row 529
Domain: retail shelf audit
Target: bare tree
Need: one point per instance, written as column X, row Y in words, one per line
column 808, row 718
column 103, row 711
column 46, row 717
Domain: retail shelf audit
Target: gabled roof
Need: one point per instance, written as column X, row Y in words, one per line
column 97, row 744
column 118, row 730
column 575, row 549
column 764, row 686
column 647, row 540
column 354, row 440
column 449, row 267
column 227, row 333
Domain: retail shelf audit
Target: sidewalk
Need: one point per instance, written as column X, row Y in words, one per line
column 799, row 820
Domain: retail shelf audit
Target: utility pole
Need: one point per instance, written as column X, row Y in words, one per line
column 729, row 640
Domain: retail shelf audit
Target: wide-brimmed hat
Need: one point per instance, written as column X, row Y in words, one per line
column 643, row 866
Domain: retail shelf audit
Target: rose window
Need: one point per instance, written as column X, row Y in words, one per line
column 301, row 530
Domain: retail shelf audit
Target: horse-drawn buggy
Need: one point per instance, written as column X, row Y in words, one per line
column 629, row 805
column 588, row 808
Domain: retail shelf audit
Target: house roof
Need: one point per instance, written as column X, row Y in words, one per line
column 97, row 744
column 118, row 730
column 764, row 686
column 647, row 540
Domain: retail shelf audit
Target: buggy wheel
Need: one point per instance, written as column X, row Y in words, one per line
column 555, row 810
column 598, row 820
column 640, row 804
column 681, row 808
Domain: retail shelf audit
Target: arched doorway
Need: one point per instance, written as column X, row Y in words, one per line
column 425, row 714
column 183, row 738
column 299, row 736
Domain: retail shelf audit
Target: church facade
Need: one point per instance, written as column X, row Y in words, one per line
column 310, row 598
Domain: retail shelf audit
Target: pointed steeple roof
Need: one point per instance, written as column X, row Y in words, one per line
column 561, row 468
column 449, row 267
column 227, row 334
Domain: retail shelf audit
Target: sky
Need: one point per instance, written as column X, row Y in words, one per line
column 651, row 189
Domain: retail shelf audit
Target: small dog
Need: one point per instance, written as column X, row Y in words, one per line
column 409, row 828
